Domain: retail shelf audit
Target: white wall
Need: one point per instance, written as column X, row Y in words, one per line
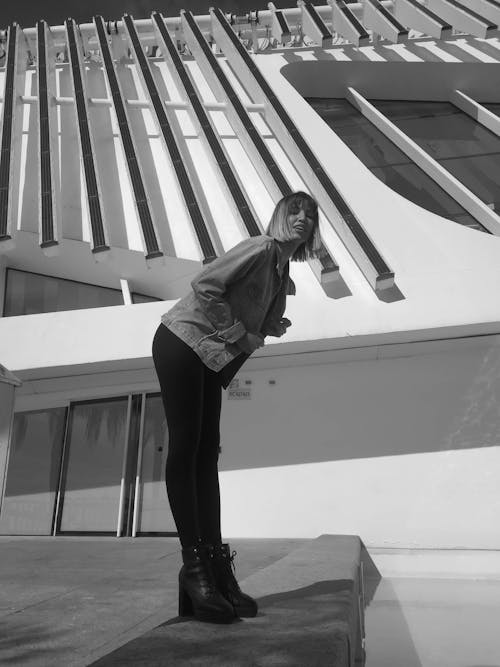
column 403, row 451
column 397, row 443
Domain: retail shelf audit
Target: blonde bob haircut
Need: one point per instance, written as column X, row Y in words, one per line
column 280, row 229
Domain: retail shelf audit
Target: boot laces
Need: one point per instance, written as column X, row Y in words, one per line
column 231, row 560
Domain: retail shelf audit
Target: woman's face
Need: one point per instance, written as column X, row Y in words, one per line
column 301, row 220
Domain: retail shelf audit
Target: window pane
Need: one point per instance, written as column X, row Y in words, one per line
column 481, row 175
column 386, row 161
column 155, row 514
column 469, row 151
column 441, row 128
column 363, row 138
column 411, row 182
column 142, row 298
column 32, row 473
column 28, row 293
column 95, row 451
column 493, row 107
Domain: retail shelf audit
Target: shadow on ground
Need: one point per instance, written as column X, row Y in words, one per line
column 21, row 643
column 305, row 626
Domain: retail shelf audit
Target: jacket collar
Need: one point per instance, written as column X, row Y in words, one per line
column 279, row 255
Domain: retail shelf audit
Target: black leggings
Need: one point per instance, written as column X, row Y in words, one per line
column 191, row 395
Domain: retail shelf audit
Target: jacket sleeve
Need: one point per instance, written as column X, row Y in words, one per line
column 210, row 285
column 271, row 323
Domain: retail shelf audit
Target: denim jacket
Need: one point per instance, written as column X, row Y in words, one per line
column 238, row 293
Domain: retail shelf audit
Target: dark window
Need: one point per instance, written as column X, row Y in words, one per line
column 386, row 161
column 469, row 151
column 143, row 298
column 494, row 107
column 28, row 293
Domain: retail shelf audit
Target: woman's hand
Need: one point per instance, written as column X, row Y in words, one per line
column 283, row 325
column 250, row 342
column 277, row 328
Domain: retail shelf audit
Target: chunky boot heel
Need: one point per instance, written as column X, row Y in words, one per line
column 222, row 567
column 185, row 604
column 198, row 594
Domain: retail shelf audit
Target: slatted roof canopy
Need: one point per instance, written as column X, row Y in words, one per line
column 217, row 46
column 6, row 206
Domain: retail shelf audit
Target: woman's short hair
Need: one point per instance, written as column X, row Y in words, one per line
column 280, row 229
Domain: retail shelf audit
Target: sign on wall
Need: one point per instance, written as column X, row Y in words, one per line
column 236, row 392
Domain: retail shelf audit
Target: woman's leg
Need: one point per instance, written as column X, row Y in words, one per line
column 207, row 474
column 181, row 375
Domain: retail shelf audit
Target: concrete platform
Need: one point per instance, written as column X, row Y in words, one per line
column 309, row 614
column 74, row 601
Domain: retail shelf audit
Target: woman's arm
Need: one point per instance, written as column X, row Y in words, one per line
column 275, row 324
column 210, row 285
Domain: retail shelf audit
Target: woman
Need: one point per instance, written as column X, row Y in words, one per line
column 201, row 343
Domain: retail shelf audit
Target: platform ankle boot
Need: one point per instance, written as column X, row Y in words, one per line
column 198, row 594
column 222, row 567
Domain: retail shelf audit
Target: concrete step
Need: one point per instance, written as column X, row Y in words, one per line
column 311, row 612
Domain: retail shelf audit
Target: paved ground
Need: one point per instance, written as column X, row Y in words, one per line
column 68, row 601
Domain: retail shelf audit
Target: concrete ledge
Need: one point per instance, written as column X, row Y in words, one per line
column 310, row 613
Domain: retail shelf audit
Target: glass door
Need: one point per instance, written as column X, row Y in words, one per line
column 152, row 513
column 33, row 472
column 92, row 481
column 97, row 466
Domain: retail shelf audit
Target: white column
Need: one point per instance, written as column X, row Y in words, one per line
column 121, row 506
column 127, row 297
column 137, row 494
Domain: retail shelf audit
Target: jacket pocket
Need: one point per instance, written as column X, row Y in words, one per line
column 212, row 347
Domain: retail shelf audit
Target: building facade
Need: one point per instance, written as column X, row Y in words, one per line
column 134, row 151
